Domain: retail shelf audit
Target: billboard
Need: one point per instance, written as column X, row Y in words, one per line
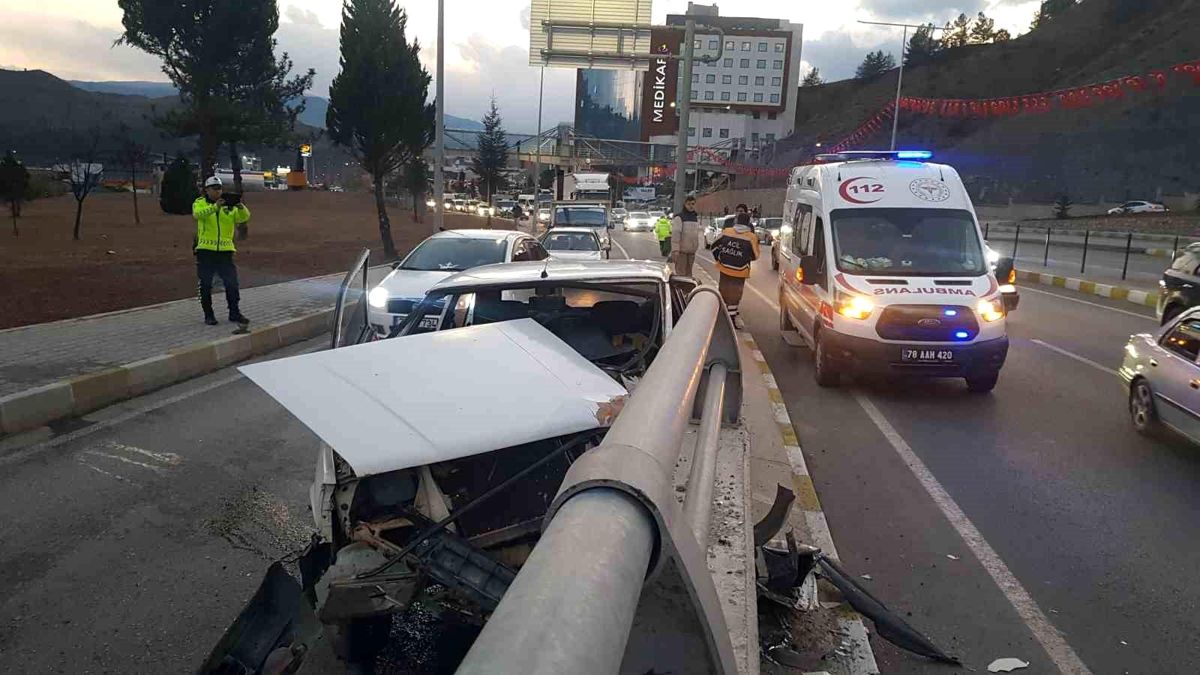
column 660, row 84
column 590, row 33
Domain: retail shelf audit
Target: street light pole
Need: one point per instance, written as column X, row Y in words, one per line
column 439, row 153
column 537, row 162
column 684, row 105
column 900, row 78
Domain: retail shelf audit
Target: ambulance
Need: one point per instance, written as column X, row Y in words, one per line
column 884, row 270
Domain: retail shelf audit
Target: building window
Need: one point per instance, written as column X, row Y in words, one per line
column 707, row 132
column 777, row 65
column 745, row 46
column 757, row 115
column 743, row 79
column 723, row 133
column 691, row 131
column 708, row 96
column 728, row 63
column 770, row 138
column 762, row 64
column 762, row 46
column 758, row 98
column 772, row 116
column 774, row 98
column 695, row 77
column 709, row 79
column 744, row 63
column 712, row 44
column 759, row 80
column 730, row 45
column 724, row 96
column 726, row 79
column 754, row 140
column 695, row 94
column 742, row 96
column 776, row 81
column 778, row 47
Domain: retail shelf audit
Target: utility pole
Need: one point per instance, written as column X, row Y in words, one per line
column 439, row 152
column 537, row 162
column 684, row 105
column 900, row 77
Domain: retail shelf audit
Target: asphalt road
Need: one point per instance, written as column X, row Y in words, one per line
column 1071, row 535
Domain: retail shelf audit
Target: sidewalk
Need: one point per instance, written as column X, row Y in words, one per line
column 65, row 360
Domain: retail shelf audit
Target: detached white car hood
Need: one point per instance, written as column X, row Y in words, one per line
column 433, row 397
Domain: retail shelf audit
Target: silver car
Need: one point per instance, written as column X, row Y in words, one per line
column 1162, row 375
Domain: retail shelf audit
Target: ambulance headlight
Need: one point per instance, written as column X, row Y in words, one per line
column 855, row 306
column 990, row 311
column 993, row 257
column 378, row 297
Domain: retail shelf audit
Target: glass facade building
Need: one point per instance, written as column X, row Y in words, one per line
column 608, row 103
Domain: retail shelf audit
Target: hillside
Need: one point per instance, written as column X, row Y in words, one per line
column 314, row 106
column 1128, row 148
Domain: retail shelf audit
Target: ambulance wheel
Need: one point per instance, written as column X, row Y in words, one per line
column 785, row 324
column 982, row 384
column 824, row 370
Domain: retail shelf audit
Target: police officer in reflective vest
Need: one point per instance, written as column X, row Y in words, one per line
column 662, row 231
column 217, row 220
column 734, row 250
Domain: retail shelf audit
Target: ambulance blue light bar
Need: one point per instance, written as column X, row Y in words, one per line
column 894, row 155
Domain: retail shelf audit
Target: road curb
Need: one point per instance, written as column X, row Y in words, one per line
column 860, row 656
column 1137, row 297
column 76, row 396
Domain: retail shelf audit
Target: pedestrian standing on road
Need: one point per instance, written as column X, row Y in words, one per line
column 218, row 218
column 734, row 250
column 685, row 237
column 516, row 216
column 662, row 230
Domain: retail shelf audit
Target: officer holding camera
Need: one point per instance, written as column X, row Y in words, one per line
column 218, row 218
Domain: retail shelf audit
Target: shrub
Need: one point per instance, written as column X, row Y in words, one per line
column 1062, row 207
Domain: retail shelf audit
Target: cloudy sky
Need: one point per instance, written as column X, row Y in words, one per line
column 487, row 41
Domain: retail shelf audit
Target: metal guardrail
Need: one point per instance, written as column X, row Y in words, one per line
column 616, row 522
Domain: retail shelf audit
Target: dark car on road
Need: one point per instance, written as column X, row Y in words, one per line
column 1179, row 287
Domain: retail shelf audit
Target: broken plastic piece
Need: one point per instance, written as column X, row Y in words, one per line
column 1006, row 665
column 766, row 529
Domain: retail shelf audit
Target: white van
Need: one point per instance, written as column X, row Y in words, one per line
column 883, row 270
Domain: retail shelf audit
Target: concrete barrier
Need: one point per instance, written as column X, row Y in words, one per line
column 78, row 396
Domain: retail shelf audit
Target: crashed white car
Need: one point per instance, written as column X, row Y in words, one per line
column 438, row 257
column 574, row 243
column 443, row 446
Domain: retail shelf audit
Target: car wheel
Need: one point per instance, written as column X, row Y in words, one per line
column 824, row 370
column 785, row 324
column 982, row 384
column 1141, row 408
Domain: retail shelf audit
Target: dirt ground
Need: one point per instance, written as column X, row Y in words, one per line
column 45, row 275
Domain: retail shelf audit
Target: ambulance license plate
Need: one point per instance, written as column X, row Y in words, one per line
column 926, row 355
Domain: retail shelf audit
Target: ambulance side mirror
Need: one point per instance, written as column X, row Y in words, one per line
column 1004, row 270
column 807, row 273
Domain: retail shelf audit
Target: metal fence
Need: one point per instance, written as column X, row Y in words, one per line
column 615, row 522
column 1124, row 255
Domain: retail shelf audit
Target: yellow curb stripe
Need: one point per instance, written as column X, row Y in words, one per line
column 806, row 493
column 764, row 368
column 1088, row 287
column 775, row 395
column 789, row 435
column 1119, row 293
column 1061, row 282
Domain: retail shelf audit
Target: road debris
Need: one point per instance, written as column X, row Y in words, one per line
column 952, row 557
column 1006, row 665
column 867, row 577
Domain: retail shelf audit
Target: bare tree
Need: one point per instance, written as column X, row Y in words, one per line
column 131, row 155
column 83, row 174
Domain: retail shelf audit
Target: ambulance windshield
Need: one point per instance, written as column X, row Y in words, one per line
column 907, row 242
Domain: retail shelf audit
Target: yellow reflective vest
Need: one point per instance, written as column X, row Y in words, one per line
column 215, row 224
column 662, row 228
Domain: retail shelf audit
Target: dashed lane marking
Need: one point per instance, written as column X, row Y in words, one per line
column 1065, row 658
column 1072, row 355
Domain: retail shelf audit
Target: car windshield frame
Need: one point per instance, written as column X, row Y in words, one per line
column 412, row 260
column 968, row 234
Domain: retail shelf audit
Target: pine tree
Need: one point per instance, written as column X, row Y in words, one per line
column 377, row 103
column 492, row 154
column 957, row 33
column 922, row 46
column 178, row 188
column 813, row 78
column 983, row 30
column 14, row 185
column 875, row 64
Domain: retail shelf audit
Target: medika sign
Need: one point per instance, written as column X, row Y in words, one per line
column 660, row 85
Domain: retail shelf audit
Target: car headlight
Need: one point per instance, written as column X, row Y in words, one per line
column 855, row 306
column 378, row 297
column 990, row 311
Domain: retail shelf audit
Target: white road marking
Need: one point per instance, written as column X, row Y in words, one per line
column 1085, row 302
column 760, row 294
column 1072, row 355
column 151, row 467
column 1050, row 638
column 621, row 248
column 168, row 458
column 107, row 473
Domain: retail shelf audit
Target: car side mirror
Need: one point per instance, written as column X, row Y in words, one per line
column 1004, row 271
column 808, row 273
column 396, row 264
